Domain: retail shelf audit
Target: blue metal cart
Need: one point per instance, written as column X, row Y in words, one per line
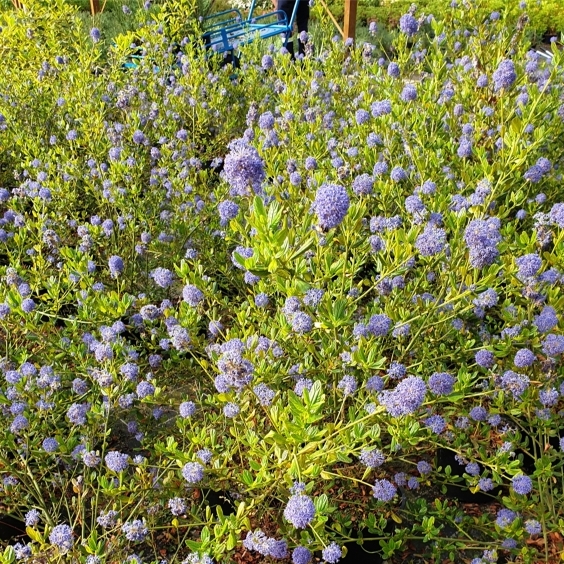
column 225, row 31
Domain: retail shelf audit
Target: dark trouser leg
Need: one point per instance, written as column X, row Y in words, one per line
column 302, row 19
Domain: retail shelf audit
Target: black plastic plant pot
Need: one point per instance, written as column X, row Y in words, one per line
column 367, row 553
column 12, row 530
column 460, row 490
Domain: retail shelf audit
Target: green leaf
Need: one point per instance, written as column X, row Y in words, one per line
column 247, row 478
column 321, row 503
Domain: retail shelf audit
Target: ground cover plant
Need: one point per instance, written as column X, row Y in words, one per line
column 328, row 292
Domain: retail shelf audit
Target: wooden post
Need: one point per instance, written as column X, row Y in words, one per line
column 350, row 19
column 94, row 7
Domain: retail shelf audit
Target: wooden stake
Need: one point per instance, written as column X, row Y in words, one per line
column 350, row 19
column 94, row 7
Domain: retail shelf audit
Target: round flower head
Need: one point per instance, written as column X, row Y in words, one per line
column 231, row 410
column 514, row 383
column 32, row 518
column 528, row 265
column 116, row 266
column 135, row 530
column 347, row 385
column 436, row 423
column 332, row 553
column 379, row 325
column 264, row 394
column 522, row 484
column 533, row 527
column 301, row 323
column 28, row 305
column 371, row 458
column 90, row 459
column 362, row 185
column 409, row 93
column 505, row 517
column 299, row 511
column 301, row 555
column 116, row 461
column 384, row 490
column 524, row 358
column 547, row 319
column 423, row 467
column 162, row 277
column 228, row 210
column 484, row 358
column 243, row 168
column 432, row 241
column 362, row 116
column 61, row 537
column 50, row 445
column 145, row 389
column 397, row 370
column 381, row 108
column 398, row 174
column 408, row 25
column 192, row 295
column 76, row 413
column 406, row 398
column 193, row 472
column 504, row 76
column 393, row 70
column 331, row 205
column 553, row 345
column 478, row 413
column 177, row 506
column 556, row 215
column 441, row 383
column 187, row 409
column 473, row 468
column 267, row 62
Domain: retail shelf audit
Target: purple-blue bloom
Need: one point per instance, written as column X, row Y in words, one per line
column 50, row 444
column 192, row 295
column 61, row 536
column 431, row 241
column 408, row 25
column 553, row 345
column 514, row 383
column 406, row 398
column 116, row 461
column 524, row 358
column 115, row 265
column 300, row 511
column 162, row 277
column 332, row 553
column 301, row 555
column 522, row 484
column 504, row 76
column 528, row 265
column 135, row 530
column 505, row 517
column 371, row 458
column 331, row 205
column 441, row 383
column 193, row 472
column 228, row 210
column 384, row 490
